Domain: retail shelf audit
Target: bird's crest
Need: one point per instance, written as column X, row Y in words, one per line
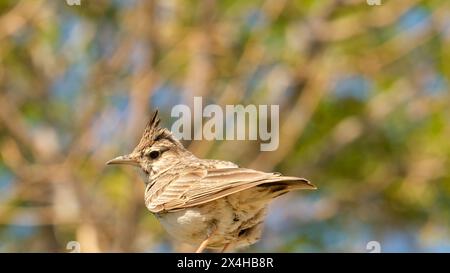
column 153, row 133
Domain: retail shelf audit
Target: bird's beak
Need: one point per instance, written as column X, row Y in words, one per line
column 124, row 159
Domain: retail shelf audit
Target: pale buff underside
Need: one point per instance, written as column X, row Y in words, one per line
column 236, row 222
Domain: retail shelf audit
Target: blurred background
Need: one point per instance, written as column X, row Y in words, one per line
column 364, row 114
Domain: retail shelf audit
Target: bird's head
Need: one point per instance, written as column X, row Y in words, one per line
column 157, row 149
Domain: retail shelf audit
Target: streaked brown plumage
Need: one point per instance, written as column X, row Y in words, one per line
column 211, row 203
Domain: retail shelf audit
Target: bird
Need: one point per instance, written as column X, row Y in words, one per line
column 206, row 203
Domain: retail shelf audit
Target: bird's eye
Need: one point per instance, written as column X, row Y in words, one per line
column 154, row 154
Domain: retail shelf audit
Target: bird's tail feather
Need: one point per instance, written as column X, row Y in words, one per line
column 284, row 184
column 282, row 187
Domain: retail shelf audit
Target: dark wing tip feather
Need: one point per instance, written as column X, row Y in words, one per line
column 304, row 181
column 313, row 187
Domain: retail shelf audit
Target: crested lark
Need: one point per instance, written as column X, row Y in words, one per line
column 203, row 202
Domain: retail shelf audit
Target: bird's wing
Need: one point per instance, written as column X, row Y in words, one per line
column 219, row 164
column 196, row 186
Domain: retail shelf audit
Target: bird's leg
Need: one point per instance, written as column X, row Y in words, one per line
column 225, row 247
column 204, row 244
